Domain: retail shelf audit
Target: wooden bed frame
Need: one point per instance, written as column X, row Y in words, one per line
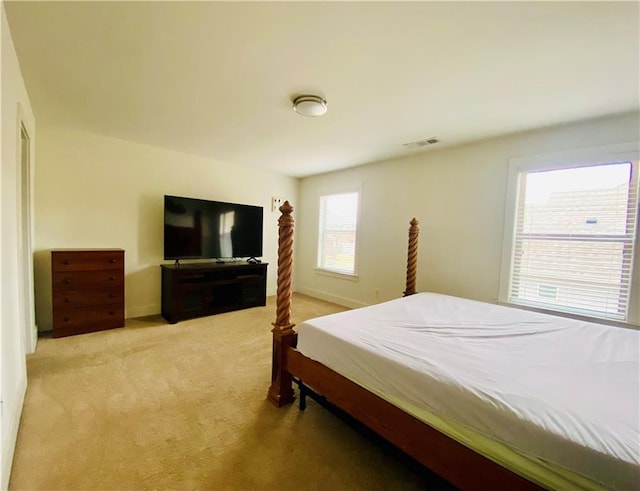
column 443, row 455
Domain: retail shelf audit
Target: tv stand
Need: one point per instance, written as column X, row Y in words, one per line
column 197, row 290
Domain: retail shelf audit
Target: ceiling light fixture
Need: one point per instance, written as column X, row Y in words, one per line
column 310, row 105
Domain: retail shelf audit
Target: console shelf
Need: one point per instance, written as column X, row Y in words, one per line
column 197, row 290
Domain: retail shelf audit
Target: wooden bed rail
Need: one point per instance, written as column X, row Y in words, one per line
column 412, row 258
column 281, row 389
column 455, row 462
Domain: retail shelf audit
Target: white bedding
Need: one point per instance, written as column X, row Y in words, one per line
column 559, row 390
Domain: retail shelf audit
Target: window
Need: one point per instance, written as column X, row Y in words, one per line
column 338, row 232
column 574, row 238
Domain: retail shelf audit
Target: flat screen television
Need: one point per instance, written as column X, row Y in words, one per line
column 201, row 229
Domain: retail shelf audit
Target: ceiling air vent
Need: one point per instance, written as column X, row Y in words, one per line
column 421, row 143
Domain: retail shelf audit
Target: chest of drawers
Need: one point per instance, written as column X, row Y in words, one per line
column 87, row 290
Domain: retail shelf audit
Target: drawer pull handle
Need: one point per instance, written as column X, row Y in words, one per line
column 66, row 300
column 66, row 319
column 112, row 295
column 112, row 261
column 111, row 312
column 112, row 278
column 66, row 261
column 67, row 281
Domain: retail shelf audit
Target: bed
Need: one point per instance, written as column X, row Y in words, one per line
column 487, row 396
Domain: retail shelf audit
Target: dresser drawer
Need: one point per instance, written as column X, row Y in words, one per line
column 81, row 298
column 86, row 260
column 81, row 320
column 76, row 280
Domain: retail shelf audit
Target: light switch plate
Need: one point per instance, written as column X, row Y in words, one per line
column 276, row 203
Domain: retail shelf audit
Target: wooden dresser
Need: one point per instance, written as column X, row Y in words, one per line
column 88, row 290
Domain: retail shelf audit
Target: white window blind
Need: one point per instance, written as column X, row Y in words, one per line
column 337, row 234
column 574, row 239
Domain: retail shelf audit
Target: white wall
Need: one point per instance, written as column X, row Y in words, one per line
column 458, row 194
column 95, row 191
column 14, row 328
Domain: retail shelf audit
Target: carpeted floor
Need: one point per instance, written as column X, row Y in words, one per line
column 159, row 406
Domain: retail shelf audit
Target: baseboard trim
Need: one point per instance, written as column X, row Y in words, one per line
column 153, row 309
column 344, row 301
column 9, row 440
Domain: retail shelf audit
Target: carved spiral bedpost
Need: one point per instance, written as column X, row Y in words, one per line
column 412, row 258
column 281, row 390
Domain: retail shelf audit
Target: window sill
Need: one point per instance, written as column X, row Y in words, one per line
column 569, row 315
column 334, row 274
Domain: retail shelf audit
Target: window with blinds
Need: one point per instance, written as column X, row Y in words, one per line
column 337, row 234
column 574, row 239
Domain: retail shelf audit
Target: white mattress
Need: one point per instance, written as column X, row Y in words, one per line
column 561, row 391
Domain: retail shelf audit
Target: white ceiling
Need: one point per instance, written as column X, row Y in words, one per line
column 216, row 78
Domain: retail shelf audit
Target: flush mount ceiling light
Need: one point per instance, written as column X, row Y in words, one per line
column 310, row 105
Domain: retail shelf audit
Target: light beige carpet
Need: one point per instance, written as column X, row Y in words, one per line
column 159, row 406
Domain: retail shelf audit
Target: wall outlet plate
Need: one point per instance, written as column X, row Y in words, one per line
column 276, row 203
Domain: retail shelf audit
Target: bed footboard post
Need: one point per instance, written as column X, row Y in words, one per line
column 412, row 258
column 281, row 389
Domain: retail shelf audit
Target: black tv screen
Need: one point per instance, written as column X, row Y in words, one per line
column 198, row 229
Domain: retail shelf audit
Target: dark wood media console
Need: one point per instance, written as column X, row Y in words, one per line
column 197, row 290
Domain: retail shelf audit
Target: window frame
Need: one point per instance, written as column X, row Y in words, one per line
column 616, row 153
column 327, row 271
